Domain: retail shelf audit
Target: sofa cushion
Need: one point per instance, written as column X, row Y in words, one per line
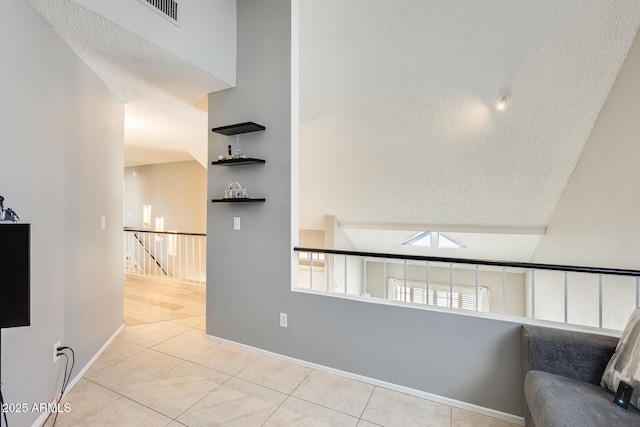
column 554, row 400
column 625, row 363
column 578, row 355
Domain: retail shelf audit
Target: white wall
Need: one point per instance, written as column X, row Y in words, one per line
column 205, row 37
column 596, row 221
column 176, row 191
column 61, row 170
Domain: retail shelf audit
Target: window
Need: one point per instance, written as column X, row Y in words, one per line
column 439, row 294
column 431, row 239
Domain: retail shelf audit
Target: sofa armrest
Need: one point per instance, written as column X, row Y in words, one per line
column 581, row 356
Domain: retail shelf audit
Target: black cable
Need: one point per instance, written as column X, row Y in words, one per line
column 4, row 413
column 65, row 379
column 73, row 362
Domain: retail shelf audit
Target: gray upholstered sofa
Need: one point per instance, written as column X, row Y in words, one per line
column 562, row 379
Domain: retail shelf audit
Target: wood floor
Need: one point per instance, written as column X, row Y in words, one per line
column 156, row 301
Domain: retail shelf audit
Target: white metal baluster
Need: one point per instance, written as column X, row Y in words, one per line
column 637, row 292
column 600, row 300
column 180, row 257
column 145, row 253
column 533, row 293
column 384, row 274
column 477, row 288
column 404, row 291
column 310, row 270
column 345, row 274
column 504, row 290
column 364, row 263
column 450, row 285
column 427, row 288
column 199, row 259
column 327, row 269
column 193, row 259
column 155, row 255
column 566, row 297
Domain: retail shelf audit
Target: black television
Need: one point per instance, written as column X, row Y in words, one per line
column 15, row 275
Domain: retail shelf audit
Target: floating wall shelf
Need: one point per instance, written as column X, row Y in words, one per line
column 238, row 200
column 238, row 128
column 237, row 162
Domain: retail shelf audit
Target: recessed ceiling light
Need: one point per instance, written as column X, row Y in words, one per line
column 501, row 103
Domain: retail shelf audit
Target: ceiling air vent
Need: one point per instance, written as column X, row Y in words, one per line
column 168, row 8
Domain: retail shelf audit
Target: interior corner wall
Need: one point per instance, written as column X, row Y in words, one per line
column 204, row 36
column 61, row 170
column 470, row 359
column 176, row 191
column 596, row 221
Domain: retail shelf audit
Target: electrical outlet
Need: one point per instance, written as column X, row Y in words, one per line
column 236, row 223
column 283, row 320
column 55, row 352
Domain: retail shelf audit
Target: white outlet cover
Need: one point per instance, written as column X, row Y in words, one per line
column 236, row 223
column 283, row 320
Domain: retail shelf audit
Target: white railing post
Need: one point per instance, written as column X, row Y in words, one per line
column 600, row 300
column 364, row 274
column 533, row 294
column 566, row 297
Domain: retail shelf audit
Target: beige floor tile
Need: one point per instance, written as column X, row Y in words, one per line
column 462, row 418
column 148, row 301
column 118, row 350
column 236, row 403
column 186, row 345
column 124, row 413
column 179, row 389
column 275, row 374
column 335, row 392
column 128, row 329
column 296, row 412
column 363, row 423
column 84, row 399
column 135, row 371
column 391, row 408
column 226, row 358
column 191, row 322
column 155, row 333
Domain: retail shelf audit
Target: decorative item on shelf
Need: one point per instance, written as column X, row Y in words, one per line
column 7, row 214
column 237, row 155
column 236, row 191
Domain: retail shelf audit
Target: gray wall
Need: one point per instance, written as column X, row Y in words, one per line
column 176, row 191
column 471, row 359
column 61, row 170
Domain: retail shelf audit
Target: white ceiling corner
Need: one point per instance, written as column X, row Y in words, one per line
column 164, row 96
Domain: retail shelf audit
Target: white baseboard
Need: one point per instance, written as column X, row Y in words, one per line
column 43, row 417
column 406, row 390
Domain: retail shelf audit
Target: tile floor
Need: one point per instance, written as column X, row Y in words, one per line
column 168, row 374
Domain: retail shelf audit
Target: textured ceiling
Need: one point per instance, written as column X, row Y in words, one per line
column 397, row 108
column 165, row 96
